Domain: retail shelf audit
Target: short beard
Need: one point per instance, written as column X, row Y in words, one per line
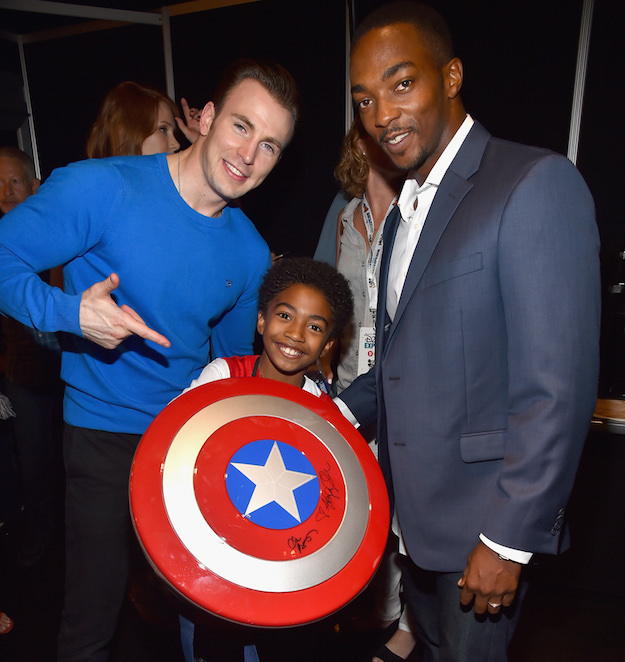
column 419, row 160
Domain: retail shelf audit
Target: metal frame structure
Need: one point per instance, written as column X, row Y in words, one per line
column 580, row 79
column 100, row 18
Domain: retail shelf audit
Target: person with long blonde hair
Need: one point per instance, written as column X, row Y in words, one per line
column 366, row 174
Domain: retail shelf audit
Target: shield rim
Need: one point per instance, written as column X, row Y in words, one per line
column 200, row 585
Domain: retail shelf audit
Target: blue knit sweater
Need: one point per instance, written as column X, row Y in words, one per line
column 192, row 278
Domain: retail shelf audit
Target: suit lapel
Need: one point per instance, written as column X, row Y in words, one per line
column 453, row 187
column 448, row 197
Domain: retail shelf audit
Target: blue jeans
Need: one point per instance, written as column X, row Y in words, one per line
column 187, row 631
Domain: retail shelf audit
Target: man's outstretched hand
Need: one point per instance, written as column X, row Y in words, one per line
column 105, row 323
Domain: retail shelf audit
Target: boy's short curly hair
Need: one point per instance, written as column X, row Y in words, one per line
column 306, row 271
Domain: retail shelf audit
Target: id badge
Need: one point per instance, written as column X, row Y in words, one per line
column 366, row 349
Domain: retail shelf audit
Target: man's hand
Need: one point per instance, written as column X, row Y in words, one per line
column 103, row 322
column 488, row 580
column 190, row 126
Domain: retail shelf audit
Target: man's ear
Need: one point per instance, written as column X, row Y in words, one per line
column 328, row 346
column 260, row 323
column 34, row 185
column 207, row 117
column 454, row 75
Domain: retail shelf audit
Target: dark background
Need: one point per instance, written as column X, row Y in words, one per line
column 519, row 60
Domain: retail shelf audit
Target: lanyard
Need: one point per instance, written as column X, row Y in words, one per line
column 375, row 251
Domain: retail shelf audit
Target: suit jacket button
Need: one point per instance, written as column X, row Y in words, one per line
column 557, row 525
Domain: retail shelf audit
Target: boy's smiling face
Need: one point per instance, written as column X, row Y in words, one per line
column 296, row 329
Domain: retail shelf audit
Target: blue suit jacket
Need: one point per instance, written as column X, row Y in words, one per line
column 486, row 380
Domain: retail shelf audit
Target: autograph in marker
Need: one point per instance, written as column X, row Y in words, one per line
column 329, row 495
column 300, row 544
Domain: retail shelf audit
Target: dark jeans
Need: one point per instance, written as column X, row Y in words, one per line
column 98, row 540
column 446, row 631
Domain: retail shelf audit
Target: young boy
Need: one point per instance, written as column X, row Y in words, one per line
column 303, row 307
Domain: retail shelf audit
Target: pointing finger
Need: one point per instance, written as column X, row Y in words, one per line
column 137, row 326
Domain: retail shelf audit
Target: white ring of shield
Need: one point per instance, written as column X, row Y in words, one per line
column 212, row 550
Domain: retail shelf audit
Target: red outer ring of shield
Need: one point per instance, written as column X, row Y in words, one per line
column 200, row 585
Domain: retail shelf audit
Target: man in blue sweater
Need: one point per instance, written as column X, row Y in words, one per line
column 161, row 275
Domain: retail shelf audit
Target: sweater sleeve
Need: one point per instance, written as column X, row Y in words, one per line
column 57, row 224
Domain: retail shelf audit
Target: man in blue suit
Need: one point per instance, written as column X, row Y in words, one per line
column 487, row 338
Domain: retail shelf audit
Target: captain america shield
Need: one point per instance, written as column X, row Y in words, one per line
column 259, row 503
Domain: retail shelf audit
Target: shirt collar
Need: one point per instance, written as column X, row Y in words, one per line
column 411, row 189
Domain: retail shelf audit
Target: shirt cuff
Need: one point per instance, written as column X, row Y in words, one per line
column 347, row 412
column 507, row 553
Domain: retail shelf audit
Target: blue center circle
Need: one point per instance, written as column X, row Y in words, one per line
column 280, row 507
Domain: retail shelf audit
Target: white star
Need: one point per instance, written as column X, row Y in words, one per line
column 274, row 482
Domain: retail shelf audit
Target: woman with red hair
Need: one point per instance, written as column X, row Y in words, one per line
column 136, row 119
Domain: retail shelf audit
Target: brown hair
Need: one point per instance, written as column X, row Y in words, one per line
column 127, row 117
column 272, row 76
column 352, row 170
